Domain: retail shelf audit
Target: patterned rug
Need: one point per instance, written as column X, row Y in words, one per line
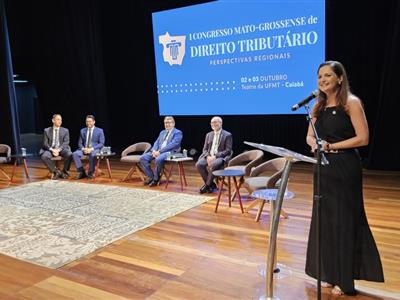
column 51, row 223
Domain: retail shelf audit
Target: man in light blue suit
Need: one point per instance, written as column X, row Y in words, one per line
column 91, row 140
column 169, row 141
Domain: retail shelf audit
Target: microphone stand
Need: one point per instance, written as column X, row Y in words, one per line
column 321, row 160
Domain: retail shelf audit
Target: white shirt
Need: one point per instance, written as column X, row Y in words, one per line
column 215, row 143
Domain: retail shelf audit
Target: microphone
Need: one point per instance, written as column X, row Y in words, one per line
column 305, row 101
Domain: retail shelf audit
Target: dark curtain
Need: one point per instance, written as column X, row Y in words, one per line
column 59, row 48
column 363, row 37
column 384, row 154
column 9, row 132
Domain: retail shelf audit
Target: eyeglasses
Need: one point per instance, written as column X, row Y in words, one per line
column 168, row 122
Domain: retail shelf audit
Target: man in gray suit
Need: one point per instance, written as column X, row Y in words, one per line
column 217, row 151
column 56, row 143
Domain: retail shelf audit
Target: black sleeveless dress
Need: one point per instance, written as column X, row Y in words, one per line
column 348, row 249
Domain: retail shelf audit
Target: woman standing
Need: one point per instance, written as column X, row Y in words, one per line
column 348, row 249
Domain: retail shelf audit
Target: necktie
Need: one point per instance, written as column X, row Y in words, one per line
column 214, row 147
column 57, row 140
column 55, row 143
column 165, row 140
column 89, row 139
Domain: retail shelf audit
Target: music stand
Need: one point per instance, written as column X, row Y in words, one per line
column 290, row 157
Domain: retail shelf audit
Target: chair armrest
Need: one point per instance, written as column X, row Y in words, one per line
column 128, row 150
column 6, row 149
column 138, row 147
column 252, row 164
column 274, row 179
column 237, row 160
column 261, row 169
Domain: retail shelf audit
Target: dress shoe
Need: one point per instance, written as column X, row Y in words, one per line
column 81, row 175
column 210, row 190
column 90, row 176
column 148, row 181
column 64, row 174
column 56, row 175
column 153, row 183
column 205, row 189
column 202, row 189
column 213, row 186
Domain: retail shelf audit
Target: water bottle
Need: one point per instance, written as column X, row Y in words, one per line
column 23, row 151
column 168, row 155
column 184, row 153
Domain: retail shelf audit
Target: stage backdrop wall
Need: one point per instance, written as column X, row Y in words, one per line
column 91, row 57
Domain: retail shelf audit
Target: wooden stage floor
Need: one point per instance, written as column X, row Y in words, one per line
column 199, row 254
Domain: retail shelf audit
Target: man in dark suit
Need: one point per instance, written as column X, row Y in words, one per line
column 56, row 143
column 91, row 140
column 217, row 151
column 168, row 141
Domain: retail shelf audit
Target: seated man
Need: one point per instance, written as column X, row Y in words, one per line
column 168, row 141
column 217, row 151
column 91, row 140
column 56, row 143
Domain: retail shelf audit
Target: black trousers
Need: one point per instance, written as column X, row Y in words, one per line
column 51, row 164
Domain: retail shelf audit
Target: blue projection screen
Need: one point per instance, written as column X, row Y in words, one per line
column 238, row 57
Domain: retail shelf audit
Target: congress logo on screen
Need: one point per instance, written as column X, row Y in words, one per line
column 173, row 48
